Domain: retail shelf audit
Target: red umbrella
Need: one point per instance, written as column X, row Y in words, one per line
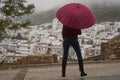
column 76, row 16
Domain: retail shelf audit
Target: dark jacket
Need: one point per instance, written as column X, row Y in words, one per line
column 70, row 32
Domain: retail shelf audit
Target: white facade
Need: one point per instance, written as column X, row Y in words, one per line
column 25, row 48
column 56, row 24
column 18, row 47
column 46, row 49
column 2, row 54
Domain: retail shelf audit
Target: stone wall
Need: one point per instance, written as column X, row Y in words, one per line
column 111, row 49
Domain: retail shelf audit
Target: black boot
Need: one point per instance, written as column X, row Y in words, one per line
column 64, row 62
column 81, row 68
column 83, row 74
column 63, row 75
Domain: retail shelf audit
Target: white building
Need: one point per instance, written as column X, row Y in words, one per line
column 2, row 54
column 50, row 34
column 47, row 49
column 22, row 47
column 56, row 24
column 25, row 48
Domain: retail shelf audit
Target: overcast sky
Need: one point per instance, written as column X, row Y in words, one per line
column 44, row 5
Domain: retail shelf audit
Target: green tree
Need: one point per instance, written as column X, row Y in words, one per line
column 12, row 13
column 19, row 36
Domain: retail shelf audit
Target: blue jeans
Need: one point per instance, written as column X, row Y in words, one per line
column 71, row 41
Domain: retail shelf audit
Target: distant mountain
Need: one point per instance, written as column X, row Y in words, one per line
column 106, row 13
column 103, row 13
column 42, row 17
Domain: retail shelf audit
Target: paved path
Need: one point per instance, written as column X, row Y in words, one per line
column 21, row 74
column 95, row 71
column 8, row 74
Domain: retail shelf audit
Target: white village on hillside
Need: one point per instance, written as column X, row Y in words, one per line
column 41, row 38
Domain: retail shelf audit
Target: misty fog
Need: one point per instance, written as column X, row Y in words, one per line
column 45, row 5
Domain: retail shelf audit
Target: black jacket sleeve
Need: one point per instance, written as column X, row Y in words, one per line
column 79, row 32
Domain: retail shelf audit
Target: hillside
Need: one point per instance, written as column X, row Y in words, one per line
column 42, row 17
column 106, row 13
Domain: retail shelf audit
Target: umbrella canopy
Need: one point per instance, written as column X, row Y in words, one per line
column 76, row 16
